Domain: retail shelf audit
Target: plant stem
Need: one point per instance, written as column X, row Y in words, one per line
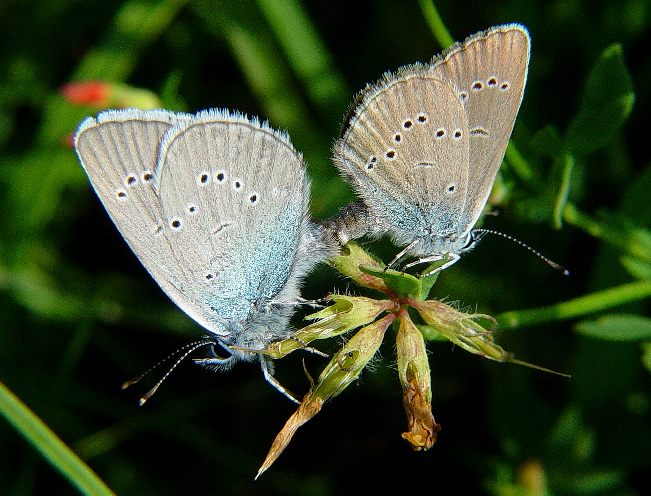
column 626, row 240
column 564, row 190
column 436, row 24
column 577, row 307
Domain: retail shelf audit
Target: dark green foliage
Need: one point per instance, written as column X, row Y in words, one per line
column 79, row 315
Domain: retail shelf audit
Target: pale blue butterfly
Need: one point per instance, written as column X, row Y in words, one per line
column 215, row 206
column 423, row 145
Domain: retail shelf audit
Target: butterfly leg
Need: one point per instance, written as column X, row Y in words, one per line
column 216, row 363
column 307, row 348
column 266, row 370
column 299, row 301
column 435, row 258
column 400, row 255
column 312, row 303
column 431, row 258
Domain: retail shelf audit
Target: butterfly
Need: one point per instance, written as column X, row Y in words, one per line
column 215, row 206
column 423, row 145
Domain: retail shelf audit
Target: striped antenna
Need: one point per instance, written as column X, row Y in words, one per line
column 479, row 233
column 184, row 352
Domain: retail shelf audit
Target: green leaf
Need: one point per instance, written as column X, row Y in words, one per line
column 614, row 228
column 576, row 307
column 567, row 431
column 617, row 327
column 306, row 52
column 50, row 445
column 519, row 164
column 134, row 28
column 435, row 23
column 403, row 284
column 596, row 481
column 646, row 355
column 636, row 267
column 607, row 103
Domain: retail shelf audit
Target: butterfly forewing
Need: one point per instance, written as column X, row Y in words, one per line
column 234, row 197
column 488, row 72
column 119, row 151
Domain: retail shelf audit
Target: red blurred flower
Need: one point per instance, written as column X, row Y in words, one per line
column 87, row 93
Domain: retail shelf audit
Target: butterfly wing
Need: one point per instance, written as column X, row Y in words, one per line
column 405, row 150
column 213, row 205
column 119, row 150
column 234, row 197
column 488, row 72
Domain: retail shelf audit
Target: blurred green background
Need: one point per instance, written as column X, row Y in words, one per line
column 79, row 315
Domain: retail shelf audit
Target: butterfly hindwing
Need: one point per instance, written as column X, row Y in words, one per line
column 235, row 196
column 406, row 151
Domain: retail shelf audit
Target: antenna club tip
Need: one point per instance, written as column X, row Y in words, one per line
column 131, row 382
column 566, row 272
column 142, row 401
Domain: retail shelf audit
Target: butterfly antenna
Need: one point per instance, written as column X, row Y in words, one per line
column 548, row 261
column 185, row 351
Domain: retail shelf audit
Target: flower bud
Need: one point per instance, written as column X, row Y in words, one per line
column 347, row 364
column 96, row 93
column 414, row 373
column 345, row 314
column 103, row 94
column 461, row 329
column 349, row 261
column 344, row 367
